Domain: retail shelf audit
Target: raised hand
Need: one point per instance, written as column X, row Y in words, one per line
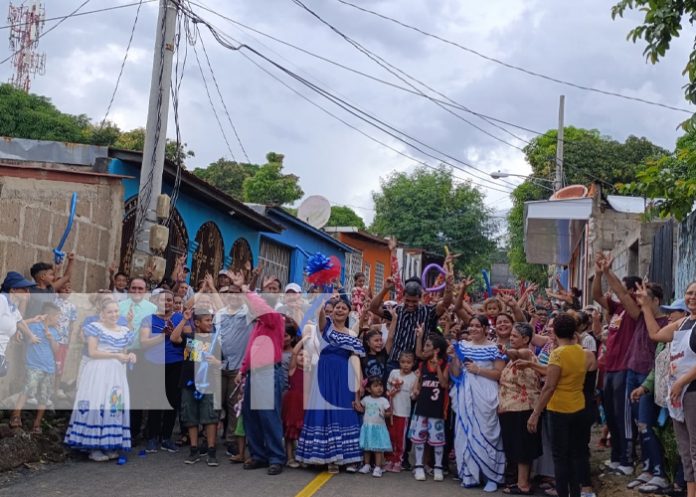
column 237, row 277
column 389, row 283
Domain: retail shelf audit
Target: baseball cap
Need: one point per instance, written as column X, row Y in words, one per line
column 677, row 306
column 16, row 280
column 293, row 287
column 222, row 272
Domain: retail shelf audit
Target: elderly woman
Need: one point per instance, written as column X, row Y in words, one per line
column 100, row 421
column 475, row 368
column 519, row 391
column 564, row 400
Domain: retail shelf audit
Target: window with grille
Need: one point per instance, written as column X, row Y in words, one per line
column 276, row 261
column 379, row 277
column 367, row 269
column 353, row 266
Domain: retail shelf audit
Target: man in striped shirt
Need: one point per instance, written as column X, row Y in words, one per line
column 410, row 313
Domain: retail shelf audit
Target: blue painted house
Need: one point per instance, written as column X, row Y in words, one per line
column 213, row 229
column 285, row 254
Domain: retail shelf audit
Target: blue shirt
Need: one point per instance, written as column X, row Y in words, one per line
column 40, row 355
column 165, row 352
column 141, row 310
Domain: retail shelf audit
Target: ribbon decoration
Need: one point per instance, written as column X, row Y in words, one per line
column 487, row 280
column 427, row 269
column 58, row 254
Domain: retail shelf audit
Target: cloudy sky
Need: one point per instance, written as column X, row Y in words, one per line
column 574, row 42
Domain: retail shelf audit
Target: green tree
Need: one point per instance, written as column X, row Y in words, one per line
column 345, row 216
column 426, row 209
column 670, row 178
column 588, row 157
column 135, row 140
column 228, row 176
column 662, row 21
column 269, row 186
column 24, row 115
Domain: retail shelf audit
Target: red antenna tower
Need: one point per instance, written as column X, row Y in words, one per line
column 27, row 22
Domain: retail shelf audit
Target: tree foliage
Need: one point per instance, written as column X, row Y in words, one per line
column 426, row 209
column 269, row 186
column 588, row 157
column 670, row 178
column 25, row 115
column 662, row 21
column 227, row 175
column 345, row 216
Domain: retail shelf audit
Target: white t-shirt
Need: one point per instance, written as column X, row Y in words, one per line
column 401, row 402
column 588, row 342
column 9, row 317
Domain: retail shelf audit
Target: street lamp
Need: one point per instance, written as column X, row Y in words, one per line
column 533, row 179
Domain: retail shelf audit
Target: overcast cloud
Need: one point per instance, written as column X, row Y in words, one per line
column 572, row 41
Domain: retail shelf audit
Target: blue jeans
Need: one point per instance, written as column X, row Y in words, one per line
column 618, row 417
column 263, row 425
column 644, row 414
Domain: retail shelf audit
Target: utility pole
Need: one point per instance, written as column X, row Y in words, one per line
column 152, row 168
column 558, row 183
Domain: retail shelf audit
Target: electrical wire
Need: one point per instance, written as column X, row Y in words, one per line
column 512, row 66
column 395, row 71
column 61, row 21
column 107, row 9
column 123, row 65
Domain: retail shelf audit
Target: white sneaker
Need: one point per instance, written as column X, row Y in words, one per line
column 610, row 465
column 624, row 470
column 437, row 475
column 365, row 470
column 61, row 395
column 419, row 474
column 98, row 456
column 377, row 473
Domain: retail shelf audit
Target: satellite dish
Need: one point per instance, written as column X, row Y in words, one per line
column 315, row 211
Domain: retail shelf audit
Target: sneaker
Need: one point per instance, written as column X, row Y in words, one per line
column 377, row 472
column 151, row 446
column 490, row 487
column 169, row 446
column 211, row 460
column 351, row 468
column 437, row 475
column 231, row 450
column 396, row 468
column 112, row 454
column 588, row 494
column 293, row 464
column 389, row 467
column 365, row 470
column 610, row 465
column 419, row 474
column 193, row 458
column 98, row 456
column 61, row 395
column 31, row 401
column 623, row 471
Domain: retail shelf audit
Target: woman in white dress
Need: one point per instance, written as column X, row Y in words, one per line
column 475, row 368
column 100, row 421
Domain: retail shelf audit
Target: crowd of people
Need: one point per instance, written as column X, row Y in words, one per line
column 500, row 393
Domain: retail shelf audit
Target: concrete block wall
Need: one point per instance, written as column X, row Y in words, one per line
column 34, row 216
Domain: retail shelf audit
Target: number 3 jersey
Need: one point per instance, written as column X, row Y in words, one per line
column 432, row 399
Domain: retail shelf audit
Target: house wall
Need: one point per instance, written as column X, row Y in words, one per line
column 195, row 212
column 373, row 253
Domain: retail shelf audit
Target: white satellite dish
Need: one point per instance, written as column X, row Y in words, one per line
column 315, row 211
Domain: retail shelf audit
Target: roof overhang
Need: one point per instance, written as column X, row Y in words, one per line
column 553, row 228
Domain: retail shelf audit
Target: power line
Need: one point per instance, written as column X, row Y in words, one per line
column 123, row 64
column 356, row 112
column 107, row 9
column 72, row 14
column 224, row 105
column 395, row 71
column 512, row 66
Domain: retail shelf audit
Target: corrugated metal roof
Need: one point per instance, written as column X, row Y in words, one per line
column 50, row 151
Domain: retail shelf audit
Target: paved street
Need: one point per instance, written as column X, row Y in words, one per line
column 166, row 475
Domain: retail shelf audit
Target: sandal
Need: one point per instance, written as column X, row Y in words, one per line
column 551, row 492
column 642, row 479
column 238, row 459
column 516, row 490
column 15, row 422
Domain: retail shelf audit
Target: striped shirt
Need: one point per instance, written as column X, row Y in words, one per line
column 406, row 322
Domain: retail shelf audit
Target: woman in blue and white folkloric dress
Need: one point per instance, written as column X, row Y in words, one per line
column 475, row 368
column 100, row 420
column 331, row 431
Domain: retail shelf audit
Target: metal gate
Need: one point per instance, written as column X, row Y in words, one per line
column 209, row 254
column 662, row 262
column 276, row 261
column 178, row 238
